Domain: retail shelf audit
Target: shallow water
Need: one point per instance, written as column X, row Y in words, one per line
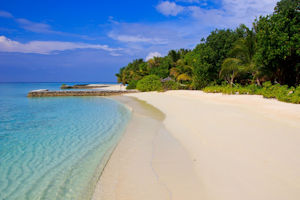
column 55, row 148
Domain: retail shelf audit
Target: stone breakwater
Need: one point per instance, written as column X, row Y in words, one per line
column 76, row 93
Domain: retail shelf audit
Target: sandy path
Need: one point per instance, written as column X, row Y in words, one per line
column 243, row 147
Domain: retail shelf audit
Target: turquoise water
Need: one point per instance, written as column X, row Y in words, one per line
column 56, row 147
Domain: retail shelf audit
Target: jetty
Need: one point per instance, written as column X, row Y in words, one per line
column 47, row 93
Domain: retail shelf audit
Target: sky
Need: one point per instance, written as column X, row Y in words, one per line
column 89, row 41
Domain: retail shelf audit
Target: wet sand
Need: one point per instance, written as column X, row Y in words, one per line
column 148, row 163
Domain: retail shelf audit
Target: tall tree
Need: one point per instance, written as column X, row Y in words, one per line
column 201, row 60
column 221, row 41
column 241, row 57
column 160, row 66
column 133, row 71
column 278, row 43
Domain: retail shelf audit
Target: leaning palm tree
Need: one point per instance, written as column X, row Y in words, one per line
column 241, row 60
column 231, row 68
column 181, row 72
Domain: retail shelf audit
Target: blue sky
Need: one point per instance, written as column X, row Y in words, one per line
column 89, row 40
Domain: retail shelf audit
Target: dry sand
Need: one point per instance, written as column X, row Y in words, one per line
column 109, row 86
column 210, row 146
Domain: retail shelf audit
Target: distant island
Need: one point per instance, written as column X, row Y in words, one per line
column 81, row 86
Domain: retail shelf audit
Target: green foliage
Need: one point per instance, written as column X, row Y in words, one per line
column 221, row 42
column 282, row 93
column 171, row 85
column 176, row 55
column 149, row 83
column 159, row 66
column 135, row 70
column 132, row 84
column 231, row 67
column 201, row 59
column 184, row 77
column 295, row 98
column 241, row 57
column 278, row 43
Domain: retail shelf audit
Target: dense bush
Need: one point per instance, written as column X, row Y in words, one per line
column 282, row 93
column 171, row 85
column 132, row 84
column 149, row 83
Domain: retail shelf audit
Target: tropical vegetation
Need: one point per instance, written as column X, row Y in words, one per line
column 149, row 83
column 263, row 59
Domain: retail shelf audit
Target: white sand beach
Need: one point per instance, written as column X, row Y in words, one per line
column 118, row 87
column 207, row 146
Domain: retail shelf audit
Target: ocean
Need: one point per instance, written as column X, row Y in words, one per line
column 55, row 147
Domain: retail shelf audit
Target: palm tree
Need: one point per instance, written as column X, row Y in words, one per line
column 175, row 72
column 184, row 77
column 181, row 72
column 241, row 59
column 231, row 68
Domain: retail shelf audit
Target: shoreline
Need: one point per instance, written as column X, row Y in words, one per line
column 145, row 161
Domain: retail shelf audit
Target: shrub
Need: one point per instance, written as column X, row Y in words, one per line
column 171, row 85
column 280, row 92
column 295, row 96
column 149, row 83
column 253, row 89
column 132, row 84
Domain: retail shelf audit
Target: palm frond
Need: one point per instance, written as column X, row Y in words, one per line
column 184, row 77
column 174, row 72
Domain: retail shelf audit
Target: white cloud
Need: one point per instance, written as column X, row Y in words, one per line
column 115, row 54
column 35, row 27
column 48, row 47
column 155, row 37
column 5, row 14
column 131, row 38
column 188, row 1
column 152, row 55
column 168, row 8
column 232, row 13
column 29, row 25
column 136, row 39
column 248, row 8
column 38, row 27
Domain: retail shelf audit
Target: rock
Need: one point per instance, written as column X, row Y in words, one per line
column 47, row 93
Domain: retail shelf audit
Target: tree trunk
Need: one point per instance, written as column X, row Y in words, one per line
column 231, row 79
column 258, row 82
